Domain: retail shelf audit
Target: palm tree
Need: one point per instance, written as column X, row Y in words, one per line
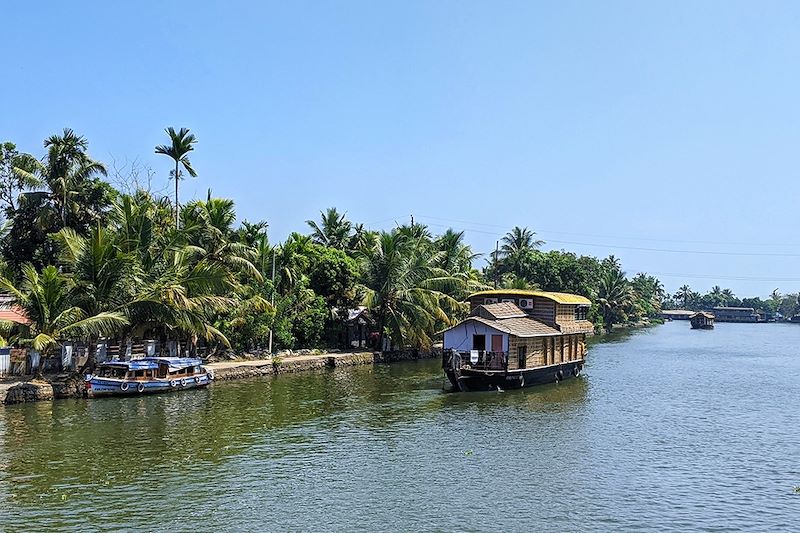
column 334, row 229
column 292, row 262
column 457, row 257
column 516, row 252
column 518, row 240
column 65, row 168
column 685, row 295
column 728, row 296
column 46, row 299
column 613, row 295
column 208, row 225
column 182, row 142
column 101, row 275
column 361, row 239
column 408, row 294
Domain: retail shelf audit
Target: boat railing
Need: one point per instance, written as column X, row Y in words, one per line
column 484, row 360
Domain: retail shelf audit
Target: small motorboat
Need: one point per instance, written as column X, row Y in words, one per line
column 147, row 375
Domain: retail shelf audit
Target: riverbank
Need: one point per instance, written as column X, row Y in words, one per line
column 24, row 390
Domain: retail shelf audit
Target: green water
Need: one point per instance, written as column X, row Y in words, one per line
column 668, row 429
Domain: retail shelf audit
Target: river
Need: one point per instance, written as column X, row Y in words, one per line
column 667, row 429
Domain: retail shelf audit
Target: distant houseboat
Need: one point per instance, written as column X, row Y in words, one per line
column 702, row 320
column 515, row 339
column 736, row 314
column 675, row 314
column 146, row 375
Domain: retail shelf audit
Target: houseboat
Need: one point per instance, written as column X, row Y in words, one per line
column 146, row 375
column 736, row 314
column 517, row 338
column 702, row 320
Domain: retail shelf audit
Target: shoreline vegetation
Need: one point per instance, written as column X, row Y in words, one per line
column 85, row 262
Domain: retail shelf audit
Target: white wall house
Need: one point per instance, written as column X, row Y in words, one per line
column 462, row 336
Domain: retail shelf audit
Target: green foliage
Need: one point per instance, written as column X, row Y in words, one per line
column 300, row 319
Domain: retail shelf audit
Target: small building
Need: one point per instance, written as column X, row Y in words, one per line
column 359, row 327
column 702, row 320
column 736, row 314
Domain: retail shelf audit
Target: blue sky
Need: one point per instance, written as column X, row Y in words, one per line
column 607, row 127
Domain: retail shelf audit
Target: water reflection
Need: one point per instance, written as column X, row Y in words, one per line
column 647, row 438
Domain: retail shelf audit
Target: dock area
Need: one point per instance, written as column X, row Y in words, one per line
column 23, row 390
column 240, row 369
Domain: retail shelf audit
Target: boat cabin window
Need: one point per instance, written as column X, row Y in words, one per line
column 580, row 312
column 479, row 342
column 162, row 371
column 111, row 372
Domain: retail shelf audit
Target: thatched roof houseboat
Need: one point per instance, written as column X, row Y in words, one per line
column 702, row 320
column 516, row 338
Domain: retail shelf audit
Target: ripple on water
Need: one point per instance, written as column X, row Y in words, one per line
column 669, row 429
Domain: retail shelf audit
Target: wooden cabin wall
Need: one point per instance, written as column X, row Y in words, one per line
column 565, row 313
column 544, row 310
column 533, row 355
column 542, row 351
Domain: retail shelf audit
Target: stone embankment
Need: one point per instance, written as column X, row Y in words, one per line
column 229, row 370
column 72, row 385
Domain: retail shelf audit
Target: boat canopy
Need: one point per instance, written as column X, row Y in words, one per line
column 151, row 363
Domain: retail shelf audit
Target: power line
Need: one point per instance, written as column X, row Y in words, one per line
column 664, row 250
column 644, row 249
column 729, row 278
column 650, row 239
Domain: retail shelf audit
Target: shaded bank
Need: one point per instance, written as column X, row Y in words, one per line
column 72, row 385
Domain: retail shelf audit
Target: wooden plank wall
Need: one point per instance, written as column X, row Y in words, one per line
column 544, row 310
column 542, row 351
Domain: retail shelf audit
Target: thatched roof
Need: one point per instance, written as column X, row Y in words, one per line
column 519, row 327
column 558, row 297
column 498, row 311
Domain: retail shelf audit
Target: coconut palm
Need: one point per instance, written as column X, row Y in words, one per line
column 292, row 262
column 101, row 275
column 613, row 295
column 181, row 143
column 456, row 256
column 46, row 299
column 685, row 296
column 208, row 225
column 408, row 294
column 333, row 230
column 519, row 240
column 65, row 169
column 517, row 252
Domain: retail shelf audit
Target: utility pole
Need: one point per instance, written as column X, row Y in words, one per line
column 412, row 221
column 272, row 300
column 496, row 253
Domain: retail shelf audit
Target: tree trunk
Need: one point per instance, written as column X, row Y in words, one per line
column 91, row 359
column 176, row 194
column 40, row 369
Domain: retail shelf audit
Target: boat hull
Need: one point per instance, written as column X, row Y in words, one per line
column 465, row 380
column 98, row 387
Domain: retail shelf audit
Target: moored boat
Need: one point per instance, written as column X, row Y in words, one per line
column 147, row 375
column 702, row 320
column 517, row 338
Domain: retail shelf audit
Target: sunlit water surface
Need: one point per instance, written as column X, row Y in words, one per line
column 667, row 429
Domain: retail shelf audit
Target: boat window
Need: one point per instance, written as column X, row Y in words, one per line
column 479, row 342
column 139, row 373
column 580, row 312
